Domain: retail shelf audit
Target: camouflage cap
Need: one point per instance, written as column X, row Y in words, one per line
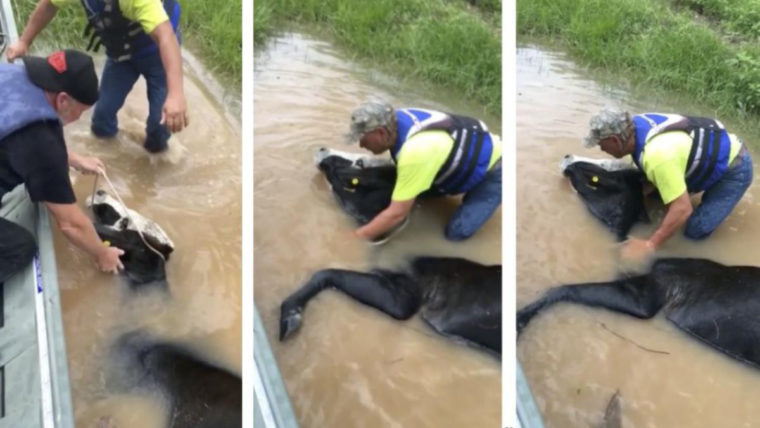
column 368, row 117
column 607, row 122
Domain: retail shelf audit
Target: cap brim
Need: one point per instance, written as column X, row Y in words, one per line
column 590, row 142
column 351, row 137
column 41, row 73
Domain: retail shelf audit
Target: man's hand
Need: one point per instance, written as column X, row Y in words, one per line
column 174, row 114
column 637, row 250
column 86, row 164
column 108, row 260
column 16, row 50
column 392, row 215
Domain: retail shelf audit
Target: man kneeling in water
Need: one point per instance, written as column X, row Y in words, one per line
column 436, row 154
column 679, row 155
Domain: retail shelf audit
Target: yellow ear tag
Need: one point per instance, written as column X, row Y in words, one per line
column 107, row 243
column 355, row 181
column 595, row 179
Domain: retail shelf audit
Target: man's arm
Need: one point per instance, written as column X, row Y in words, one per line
column 79, row 230
column 386, row 220
column 678, row 212
column 39, row 19
column 175, row 110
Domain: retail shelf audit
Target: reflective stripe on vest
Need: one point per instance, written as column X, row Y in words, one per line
column 124, row 39
column 23, row 102
column 710, row 148
column 467, row 163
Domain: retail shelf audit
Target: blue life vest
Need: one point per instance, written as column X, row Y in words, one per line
column 710, row 149
column 23, row 103
column 467, row 163
column 123, row 39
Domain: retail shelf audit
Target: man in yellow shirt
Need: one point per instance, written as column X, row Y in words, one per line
column 679, row 155
column 436, row 154
column 141, row 37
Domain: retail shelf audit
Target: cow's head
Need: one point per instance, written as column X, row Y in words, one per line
column 362, row 184
column 141, row 264
column 611, row 190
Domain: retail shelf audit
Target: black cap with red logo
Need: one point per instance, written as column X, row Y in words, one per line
column 67, row 71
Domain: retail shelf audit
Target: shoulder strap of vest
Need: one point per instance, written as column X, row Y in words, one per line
column 469, row 135
column 714, row 149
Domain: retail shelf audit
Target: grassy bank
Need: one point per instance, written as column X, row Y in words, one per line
column 447, row 43
column 212, row 30
column 667, row 45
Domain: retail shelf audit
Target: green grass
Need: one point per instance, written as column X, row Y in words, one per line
column 737, row 17
column 214, row 30
column 446, row 43
column 211, row 29
column 652, row 42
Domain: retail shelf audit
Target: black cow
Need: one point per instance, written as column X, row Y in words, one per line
column 715, row 303
column 199, row 395
column 611, row 190
column 456, row 297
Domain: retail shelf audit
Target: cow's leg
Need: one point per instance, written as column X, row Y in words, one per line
column 398, row 295
column 637, row 296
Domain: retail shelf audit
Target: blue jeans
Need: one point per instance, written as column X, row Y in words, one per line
column 118, row 79
column 720, row 199
column 478, row 205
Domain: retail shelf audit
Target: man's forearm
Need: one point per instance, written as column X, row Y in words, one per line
column 171, row 58
column 77, row 228
column 678, row 213
column 382, row 223
column 39, row 19
column 83, row 235
column 73, row 159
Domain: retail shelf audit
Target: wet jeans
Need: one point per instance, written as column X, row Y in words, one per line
column 719, row 200
column 118, row 79
column 17, row 247
column 477, row 207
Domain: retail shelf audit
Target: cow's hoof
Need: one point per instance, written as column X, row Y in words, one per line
column 290, row 322
column 523, row 318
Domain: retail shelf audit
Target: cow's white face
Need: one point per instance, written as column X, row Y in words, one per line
column 358, row 160
column 141, row 263
column 109, row 212
column 606, row 164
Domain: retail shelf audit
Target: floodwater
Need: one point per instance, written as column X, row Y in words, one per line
column 350, row 365
column 193, row 192
column 575, row 358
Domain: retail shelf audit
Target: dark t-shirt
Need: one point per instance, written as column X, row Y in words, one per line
column 36, row 156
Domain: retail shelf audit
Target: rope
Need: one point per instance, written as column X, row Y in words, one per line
column 126, row 210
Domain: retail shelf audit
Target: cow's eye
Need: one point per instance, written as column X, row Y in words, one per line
column 360, row 163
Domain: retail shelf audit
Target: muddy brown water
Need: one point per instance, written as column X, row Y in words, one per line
column 575, row 358
column 350, row 365
column 193, row 192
